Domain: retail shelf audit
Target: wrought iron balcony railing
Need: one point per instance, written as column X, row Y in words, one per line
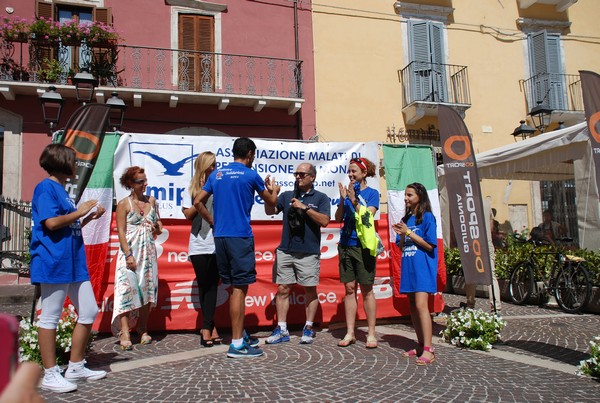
column 152, row 68
column 560, row 92
column 435, row 83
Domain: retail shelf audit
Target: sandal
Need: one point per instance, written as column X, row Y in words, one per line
column 414, row 352
column 126, row 344
column 216, row 339
column 371, row 342
column 424, row 360
column 346, row 341
column 146, row 338
column 206, row 342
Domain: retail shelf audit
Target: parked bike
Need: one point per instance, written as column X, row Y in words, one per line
column 568, row 278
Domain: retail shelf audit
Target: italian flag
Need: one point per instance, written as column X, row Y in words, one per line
column 404, row 165
column 96, row 232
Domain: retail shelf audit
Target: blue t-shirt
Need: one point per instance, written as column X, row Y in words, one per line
column 309, row 239
column 57, row 257
column 348, row 235
column 419, row 267
column 233, row 188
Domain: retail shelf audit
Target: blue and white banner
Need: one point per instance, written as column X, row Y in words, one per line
column 169, row 161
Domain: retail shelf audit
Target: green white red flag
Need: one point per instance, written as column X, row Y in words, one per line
column 96, row 232
column 404, row 165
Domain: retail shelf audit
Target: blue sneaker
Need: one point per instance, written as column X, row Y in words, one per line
column 251, row 341
column 308, row 335
column 278, row 336
column 244, row 351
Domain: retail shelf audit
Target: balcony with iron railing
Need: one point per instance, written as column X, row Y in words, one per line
column 559, row 92
column 427, row 85
column 155, row 74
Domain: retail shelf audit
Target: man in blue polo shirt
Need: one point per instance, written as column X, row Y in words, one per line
column 233, row 188
column 305, row 211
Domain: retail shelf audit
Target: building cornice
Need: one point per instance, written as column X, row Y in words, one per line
column 534, row 25
column 197, row 4
column 424, row 11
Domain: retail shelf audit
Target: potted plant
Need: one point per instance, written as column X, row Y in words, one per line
column 51, row 70
column 99, row 34
column 44, row 30
column 14, row 29
column 472, row 329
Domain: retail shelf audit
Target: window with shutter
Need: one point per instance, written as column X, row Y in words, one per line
column 426, row 52
column 197, row 59
column 546, row 70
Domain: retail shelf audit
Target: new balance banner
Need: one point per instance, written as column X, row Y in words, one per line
column 405, row 165
column 590, row 86
column 464, row 197
column 84, row 133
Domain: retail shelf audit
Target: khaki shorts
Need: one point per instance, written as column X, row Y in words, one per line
column 296, row 268
column 356, row 264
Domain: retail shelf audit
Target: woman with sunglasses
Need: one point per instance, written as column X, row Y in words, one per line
column 201, row 248
column 357, row 265
column 416, row 236
column 136, row 275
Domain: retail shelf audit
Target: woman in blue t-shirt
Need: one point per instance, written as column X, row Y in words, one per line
column 357, row 265
column 58, row 265
column 417, row 238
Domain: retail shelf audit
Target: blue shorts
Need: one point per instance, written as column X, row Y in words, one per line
column 236, row 260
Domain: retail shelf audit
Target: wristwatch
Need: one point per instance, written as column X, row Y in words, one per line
column 306, row 209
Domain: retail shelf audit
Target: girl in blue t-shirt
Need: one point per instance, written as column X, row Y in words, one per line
column 58, row 265
column 357, row 265
column 417, row 238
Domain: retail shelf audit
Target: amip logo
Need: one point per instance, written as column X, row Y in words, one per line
column 169, row 168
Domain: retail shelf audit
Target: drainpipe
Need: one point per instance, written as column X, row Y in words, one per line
column 298, row 81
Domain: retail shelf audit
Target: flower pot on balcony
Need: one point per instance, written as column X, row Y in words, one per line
column 21, row 37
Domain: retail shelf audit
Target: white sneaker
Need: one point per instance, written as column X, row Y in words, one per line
column 78, row 371
column 55, row 382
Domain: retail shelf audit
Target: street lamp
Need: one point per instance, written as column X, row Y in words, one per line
column 523, row 130
column 117, row 111
column 51, row 106
column 85, row 83
column 541, row 115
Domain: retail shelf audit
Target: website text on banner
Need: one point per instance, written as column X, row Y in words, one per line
column 464, row 197
column 405, row 165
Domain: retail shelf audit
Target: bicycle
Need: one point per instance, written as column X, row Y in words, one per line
column 568, row 278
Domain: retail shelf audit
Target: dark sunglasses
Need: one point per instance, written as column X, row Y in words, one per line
column 301, row 175
column 140, row 181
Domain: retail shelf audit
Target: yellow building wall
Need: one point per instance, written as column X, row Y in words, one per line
column 359, row 48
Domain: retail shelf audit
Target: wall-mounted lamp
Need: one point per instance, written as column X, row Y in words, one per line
column 117, row 111
column 523, row 130
column 51, row 106
column 85, row 83
column 541, row 116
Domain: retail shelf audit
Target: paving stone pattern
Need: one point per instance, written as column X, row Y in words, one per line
column 290, row 372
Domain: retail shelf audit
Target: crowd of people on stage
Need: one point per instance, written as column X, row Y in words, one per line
column 218, row 205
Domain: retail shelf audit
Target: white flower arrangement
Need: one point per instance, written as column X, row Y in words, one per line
column 591, row 366
column 29, row 349
column 473, row 329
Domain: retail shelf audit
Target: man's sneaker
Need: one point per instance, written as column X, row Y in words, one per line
column 55, row 382
column 278, row 336
column 78, row 371
column 308, row 335
column 244, row 351
column 250, row 341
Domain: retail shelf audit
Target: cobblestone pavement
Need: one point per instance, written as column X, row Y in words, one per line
column 534, row 363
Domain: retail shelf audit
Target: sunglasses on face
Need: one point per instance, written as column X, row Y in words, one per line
column 140, row 181
column 301, row 175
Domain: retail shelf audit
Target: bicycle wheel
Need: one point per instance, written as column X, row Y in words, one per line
column 573, row 288
column 521, row 283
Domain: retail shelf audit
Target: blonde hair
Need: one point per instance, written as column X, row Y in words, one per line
column 201, row 164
